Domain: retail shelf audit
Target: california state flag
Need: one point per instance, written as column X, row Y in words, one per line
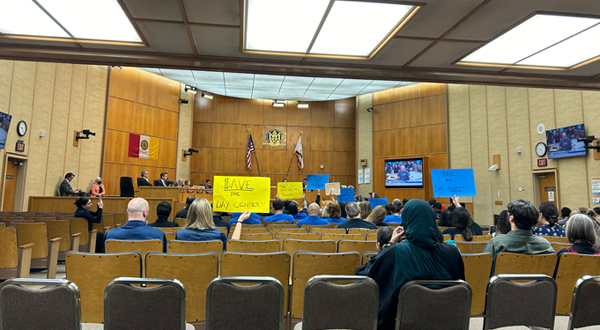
column 298, row 152
column 143, row 146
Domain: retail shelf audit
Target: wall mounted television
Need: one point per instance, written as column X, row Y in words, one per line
column 4, row 126
column 404, row 173
column 562, row 142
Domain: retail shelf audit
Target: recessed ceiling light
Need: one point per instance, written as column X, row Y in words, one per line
column 542, row 41
column 321, row 28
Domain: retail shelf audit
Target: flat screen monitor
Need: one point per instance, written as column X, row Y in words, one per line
column 4, row 126
column 404, row 173
column 562, row 142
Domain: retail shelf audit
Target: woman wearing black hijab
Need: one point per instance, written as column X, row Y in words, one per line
column 418, row 255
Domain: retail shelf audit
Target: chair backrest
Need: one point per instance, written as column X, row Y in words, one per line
column 365, row 256
column 559, row 246
column 9, row 257
column 293, row 229
column 517, row 263
column 262, row 304
column 477, row 274
column 80, row 225
column 538, row 294
column 92, row 272
column 451, row 303
column 33, row 232
column 59, row 228
column 195, row 271
column 447, row 237
column 2, row 224
column 347, row 245
column 267, row 246
column 328, row 230
column 175, row 246
column 556, row 239
column 292, row 245
column 280, row 225
column 276, row 265
column 584, row 310
column 180, row 221
column 168, row 229
column 337, row 237
column 476, row 238
column 371, row 237
column 571, row 267
column 251, row 230
column 255, row 236
column 363, row 231
column 143, row 247
column 281, row 236
column 322, row 309
column 55, row 306
column 128, row 306
column 308, row 264
column 470, row 247
column 126, row 185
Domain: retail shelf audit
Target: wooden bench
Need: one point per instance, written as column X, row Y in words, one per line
column 15, row 259
column 45, row 251
column 254, row 246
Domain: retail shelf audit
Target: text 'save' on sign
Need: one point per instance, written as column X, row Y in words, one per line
column 289, row 190
column 241, row 193
column 450, row 182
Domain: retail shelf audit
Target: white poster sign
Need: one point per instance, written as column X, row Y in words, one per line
column 360, row 176
column 367, row 175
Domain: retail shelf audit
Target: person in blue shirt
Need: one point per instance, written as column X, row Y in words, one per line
column 136, row 227
column 279, row 216
column 199, row 225
column 394, row 214
column 334, row 213
column 253, row 220
column 313, row 217
column 293, row 210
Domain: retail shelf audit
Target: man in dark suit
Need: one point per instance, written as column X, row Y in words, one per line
column 354, row 219
column 143, row 181
column 136, row 227
column 163, row 180
column 65, row 187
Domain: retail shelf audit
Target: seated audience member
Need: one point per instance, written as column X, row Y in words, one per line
column 65, row 187
column 419, row 256
column 431, row 202
column 473, row 226
column 378, row 216
column 164, row 177
column 293, row 211
column 343, row 209
column 365, row 209
column 522, row 216
column 219, row 222
column 143, row 181
column 372, row 195
column 136, row 228
column 393, row 214
column 313, row 218
column 565, row 212
column 199, row 225
column 437, row 210
column 84, row 205
column 461, row 220
column 98, row 188
column 182, row 214
column 163, row 210
column 596, row 220
column 208, row 184
column 445, row 219
column 582, row 235
column 286, row 204
column 548, row 219
column 404, row 201
column 355, row 220
column 384, row 235
column 279, row 216
column 397, row 202
column 503, row 225
column 334, row 213
column 324, row 212
column 253, row 219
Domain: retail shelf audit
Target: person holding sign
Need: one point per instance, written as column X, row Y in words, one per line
column 313, row 218
column 199, row 225
column 278, row 216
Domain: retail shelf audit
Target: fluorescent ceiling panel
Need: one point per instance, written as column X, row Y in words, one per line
column 539, row 42
column 283, row 25
column 326, row 82
column 92, row 19
column 24, row 17
column 208, row 75
column 342, row 35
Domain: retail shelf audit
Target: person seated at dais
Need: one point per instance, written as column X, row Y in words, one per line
column 98, row 188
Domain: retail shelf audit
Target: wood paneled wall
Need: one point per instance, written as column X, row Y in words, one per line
column 408, row 122
column 57, row 99
column 220, row 134
column 142, row 103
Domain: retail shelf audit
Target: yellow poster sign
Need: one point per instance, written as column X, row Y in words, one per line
column 289, row 190
column 241, row 193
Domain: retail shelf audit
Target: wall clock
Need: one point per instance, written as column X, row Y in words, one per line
column 22, row 128
column 540, row 149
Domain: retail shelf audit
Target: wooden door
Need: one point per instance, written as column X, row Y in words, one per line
column 548, row 189
column 10, row 185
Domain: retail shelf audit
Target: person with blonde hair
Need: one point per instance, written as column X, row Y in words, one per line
column 365, row 209
column 377, row 216
column 581, row 233
column 199, row 225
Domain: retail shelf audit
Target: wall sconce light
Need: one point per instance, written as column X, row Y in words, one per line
column 207, row 95
column 183, row 101
column 190, row 89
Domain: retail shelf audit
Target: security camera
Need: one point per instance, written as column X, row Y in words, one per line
column 192, row 150
column 587, row 139
column 183, row 101
column 370, row 109
column 84, row 135
column 87, row 132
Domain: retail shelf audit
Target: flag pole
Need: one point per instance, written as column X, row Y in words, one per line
column 257, row 166
column 291, row 160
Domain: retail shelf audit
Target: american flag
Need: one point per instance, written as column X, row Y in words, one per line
column 249, row 152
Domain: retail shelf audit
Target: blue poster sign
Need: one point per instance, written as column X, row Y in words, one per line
column 450, row 182
column 316, row 181
column 346, row 196
column 377, row 201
